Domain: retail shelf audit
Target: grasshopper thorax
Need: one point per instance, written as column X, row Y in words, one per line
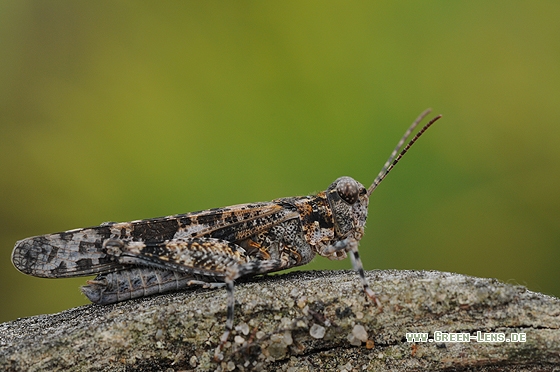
column 348, row 200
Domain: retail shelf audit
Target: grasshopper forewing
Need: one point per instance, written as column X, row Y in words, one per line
column 211, row 248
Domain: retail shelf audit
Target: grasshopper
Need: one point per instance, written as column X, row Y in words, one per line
column 211, row 248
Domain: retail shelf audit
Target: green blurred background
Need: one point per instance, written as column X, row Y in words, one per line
column 114, row 111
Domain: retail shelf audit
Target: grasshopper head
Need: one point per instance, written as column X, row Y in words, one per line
column 348, row 200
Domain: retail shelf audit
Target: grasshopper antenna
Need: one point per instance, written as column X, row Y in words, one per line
column 394, row 158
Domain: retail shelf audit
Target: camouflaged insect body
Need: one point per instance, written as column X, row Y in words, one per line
column 256, row 238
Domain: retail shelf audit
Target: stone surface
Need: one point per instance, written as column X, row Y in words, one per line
column 274, row 316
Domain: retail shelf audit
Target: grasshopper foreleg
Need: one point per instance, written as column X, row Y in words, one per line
column 350, row 245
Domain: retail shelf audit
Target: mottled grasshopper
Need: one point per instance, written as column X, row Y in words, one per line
column 210, row 248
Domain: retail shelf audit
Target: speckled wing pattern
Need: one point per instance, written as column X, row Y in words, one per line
column 88, row 251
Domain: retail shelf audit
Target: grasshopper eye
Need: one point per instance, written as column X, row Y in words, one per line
column 348, row 190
